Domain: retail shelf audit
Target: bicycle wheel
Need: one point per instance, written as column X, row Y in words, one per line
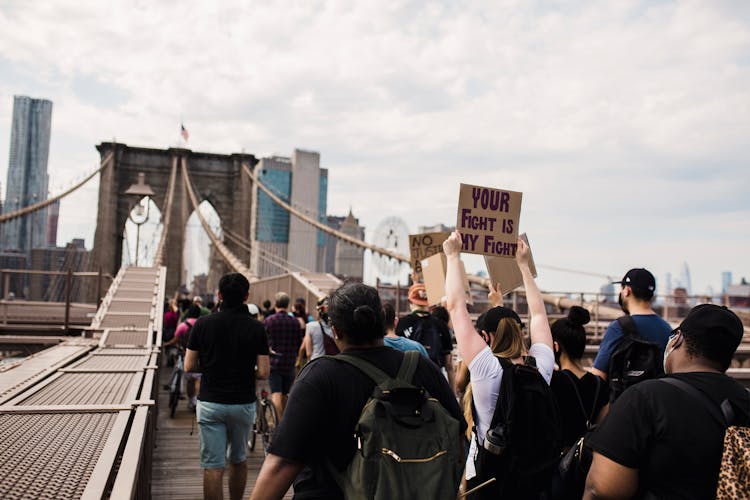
column 254, row 431
column 270, row 421
column 174, row 393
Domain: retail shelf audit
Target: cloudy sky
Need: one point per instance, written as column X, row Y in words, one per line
column 625, row 124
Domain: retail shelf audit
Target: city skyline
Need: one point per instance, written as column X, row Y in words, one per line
column 628, row 139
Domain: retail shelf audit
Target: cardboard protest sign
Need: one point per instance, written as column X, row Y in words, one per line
column 506, row 271
column 488, row 220
column 425, row 245
column 433, row 270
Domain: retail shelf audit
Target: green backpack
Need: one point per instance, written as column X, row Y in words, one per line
column 409, row 446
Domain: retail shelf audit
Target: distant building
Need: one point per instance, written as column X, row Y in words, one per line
column 53, row 214
column 73, row 257
column 343, row 259
column 738, row 296
column 27, row 174
column 282, row 242
column 726, row 281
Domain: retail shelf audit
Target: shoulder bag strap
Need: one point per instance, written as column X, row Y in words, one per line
column 408, row 366
column 712, row 407
column 578, row 394
column 628, row 326
column 376, row 374
column 596, row 398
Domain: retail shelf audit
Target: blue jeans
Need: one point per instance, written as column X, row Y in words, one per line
column 223, row 430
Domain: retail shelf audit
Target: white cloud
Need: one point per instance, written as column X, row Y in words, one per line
column 620, row 121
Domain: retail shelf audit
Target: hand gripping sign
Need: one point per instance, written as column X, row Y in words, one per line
column 488, row 220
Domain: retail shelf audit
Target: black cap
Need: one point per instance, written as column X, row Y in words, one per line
column 640, row 280
column 488, row 321
column 713, row 319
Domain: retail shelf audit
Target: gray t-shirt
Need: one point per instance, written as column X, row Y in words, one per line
column 316, row 336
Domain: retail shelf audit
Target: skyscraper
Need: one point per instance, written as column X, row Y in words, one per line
column 282, row 242
column 27, row 173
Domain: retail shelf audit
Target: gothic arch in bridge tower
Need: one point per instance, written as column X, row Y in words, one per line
column 214, row 177
column 198, row 249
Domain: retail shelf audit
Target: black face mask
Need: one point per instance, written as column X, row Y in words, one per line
column 622, row 305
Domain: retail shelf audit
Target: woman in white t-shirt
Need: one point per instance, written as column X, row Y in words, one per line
column 500, row 334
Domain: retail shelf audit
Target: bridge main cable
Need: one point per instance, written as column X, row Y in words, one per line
column 159, row 256
column 42, row 204
column 228, row 256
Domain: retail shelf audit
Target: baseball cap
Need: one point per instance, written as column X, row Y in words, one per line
column 712, row 319
column 639, row 279
column 488, row 321
column 418, row 294
column 253, row 309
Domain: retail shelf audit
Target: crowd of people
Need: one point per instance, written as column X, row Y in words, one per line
column 528, row 418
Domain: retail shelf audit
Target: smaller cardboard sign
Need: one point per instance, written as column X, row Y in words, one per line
column 433, row 270
column 425, row 245
column 506, row 271
column 488, row 220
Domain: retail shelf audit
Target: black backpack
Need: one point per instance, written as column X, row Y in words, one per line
column 527, row 421
column 426, row 333
column 329, row 345
column 635, row 359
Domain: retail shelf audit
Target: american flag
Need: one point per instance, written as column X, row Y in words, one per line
column 184, row 132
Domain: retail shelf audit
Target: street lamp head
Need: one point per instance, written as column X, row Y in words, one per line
column 140, row 188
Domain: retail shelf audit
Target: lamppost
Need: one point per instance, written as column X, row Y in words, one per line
column 139, row 190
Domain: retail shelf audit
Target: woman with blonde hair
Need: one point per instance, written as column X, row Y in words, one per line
column 500, row 336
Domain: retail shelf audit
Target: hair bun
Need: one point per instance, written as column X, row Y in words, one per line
column 364, row 316
column 578, row 316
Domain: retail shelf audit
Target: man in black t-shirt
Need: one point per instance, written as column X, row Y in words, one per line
column 660, row 439
column 441, row 353
column 317, row 430
column 230, row 349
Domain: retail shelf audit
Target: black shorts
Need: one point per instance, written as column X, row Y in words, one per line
column 280, row 381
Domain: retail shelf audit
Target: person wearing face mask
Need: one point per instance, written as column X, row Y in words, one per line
column 635, row 299
column 663, row 438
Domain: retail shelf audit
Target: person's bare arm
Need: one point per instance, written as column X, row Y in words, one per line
column 262, row 367
column 275, row 477
column 609, row 480
column 538, row 324
column 598, row 373
column 469, row 343
column 307, row 342
column 191, row 360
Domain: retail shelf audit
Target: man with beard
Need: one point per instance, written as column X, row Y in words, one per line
column 636, row 296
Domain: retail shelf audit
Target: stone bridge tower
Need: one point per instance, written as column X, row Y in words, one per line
column 215, row 177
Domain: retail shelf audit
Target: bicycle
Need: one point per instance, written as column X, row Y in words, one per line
column 266, row 420
column 175, row 384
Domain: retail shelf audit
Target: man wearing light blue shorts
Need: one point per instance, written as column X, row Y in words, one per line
column 230, row 349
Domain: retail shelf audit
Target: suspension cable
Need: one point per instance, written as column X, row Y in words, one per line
column 159, row 255
column 228, row 256
column 337, row 234
column 42, row 204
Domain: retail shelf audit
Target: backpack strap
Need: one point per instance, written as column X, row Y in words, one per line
column 628, row 326
column 408, row 366
column 720, row 416
column 405, row 371
column 376, row 374
column 578, row 395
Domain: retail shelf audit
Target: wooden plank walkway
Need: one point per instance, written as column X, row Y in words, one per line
column 177, row 473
